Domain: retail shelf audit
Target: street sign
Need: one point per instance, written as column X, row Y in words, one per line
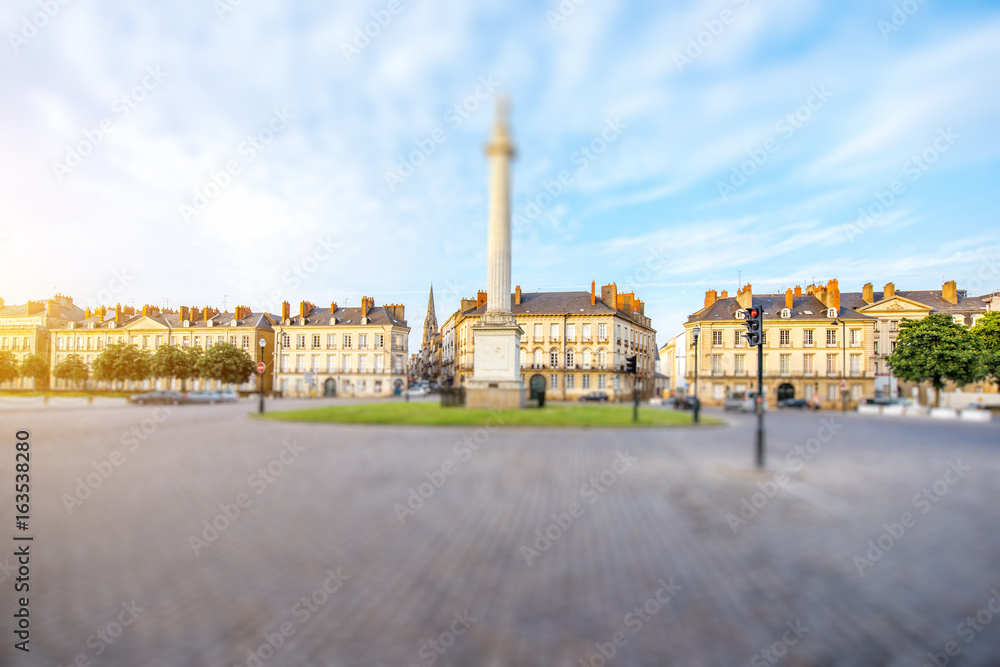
column 260, row 367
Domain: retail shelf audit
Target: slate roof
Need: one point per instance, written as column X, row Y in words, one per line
column 552, row 303
column 377, row 315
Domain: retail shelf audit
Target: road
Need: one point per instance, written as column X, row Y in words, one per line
column 364, row 545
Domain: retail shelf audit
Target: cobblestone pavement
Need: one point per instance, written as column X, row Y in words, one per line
column 519, row 546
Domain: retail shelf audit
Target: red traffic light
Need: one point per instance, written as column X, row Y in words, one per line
column 753, row 312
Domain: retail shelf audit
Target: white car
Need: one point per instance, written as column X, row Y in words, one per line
column 229, row 396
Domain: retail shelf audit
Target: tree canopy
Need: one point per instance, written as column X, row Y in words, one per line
column 987, row 334
column 936, row 349
column 122, row 361
column 8, row 366
column 226, row 363
column 36, row 366
column 173, row 361
column 73, row 368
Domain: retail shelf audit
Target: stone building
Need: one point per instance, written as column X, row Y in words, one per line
column 25, row 329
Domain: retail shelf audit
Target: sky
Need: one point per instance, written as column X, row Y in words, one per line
column 226, row 152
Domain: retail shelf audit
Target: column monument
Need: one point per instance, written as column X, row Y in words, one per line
column 496, row 377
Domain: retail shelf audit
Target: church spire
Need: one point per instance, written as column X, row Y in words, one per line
column 430, row 322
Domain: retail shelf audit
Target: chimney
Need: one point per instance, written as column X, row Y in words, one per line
column 104, row 313
column 867, row 293
column 86, row 313
column 833, row 294
column 724, row 294
column 333, row 307
column 1, row 303
column 517, row 296
column 184, row 315
column 798, row 291
column 745, row 296
column 118, row 313
column 480, row 299
column 889, row 291
column 639, row 306
column 609, row 295
column 207, row 313
column 468, row 304
column 593, row 292
column 128, row 310
column 284, row 310
column 711, row 296
column 52, row 309
column 788, row 298
column 625, row 302
column 367, row 303
column 949, row 293
column 304, row 310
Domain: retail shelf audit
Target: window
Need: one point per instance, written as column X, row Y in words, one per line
column 855, row 365
column 184, row 341
column 538, row 332
column 832, row 312
column 553, row 381
column 569, row 358
column 892, row 347
column 553, row 332
column 740, row 364
column 602, row 358
column 331, row 341
column 784, row 337
column 586, row 332
column 716, row 338
column 831, row 392
column 315, row 341
column 554, row 359
column 718, row 392
column 786, row 313
column 569, row 381
column 315, row 364
column 379, row 341
column 300, row 342
column 587, row 360
column 810, row 392
column 536, row 359
column 300, row 361
column 380, row 364
column 347, row 341
column 831, row 364
column 807, row 364
column 90, row 342
column 618, row 382
column 362, row 363
column 892, row 325
column 331, row 363
column 855, row 337
column 585, row 381
column 570, row 332
column 232, row 341
column 346, row 364
column 807, row 337
column 831, row 337
column 716, row 364
column 876, row 347
column 286, row 340
column 855, row 392
column 602, row 382
column 100, row 343
column 738, row 338
column 602, row 331
column 785, row 364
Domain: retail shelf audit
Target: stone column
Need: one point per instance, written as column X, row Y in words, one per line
column 500, row 150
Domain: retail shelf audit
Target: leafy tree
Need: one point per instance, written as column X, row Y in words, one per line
column 8, row 366
column 174, row 361
column 936, row 349
column 122, row 361
column 226, row 363
column 36, row 366
column 987, row 334
column 73, row 368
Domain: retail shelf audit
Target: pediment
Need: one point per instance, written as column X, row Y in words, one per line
column 895, row 305
column 145, row 322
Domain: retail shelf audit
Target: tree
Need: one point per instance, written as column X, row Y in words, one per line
column 36, row 366
column 987, row 334
column 8, row 366
column 122, row 361
column 936, row 349
column 73, row 369
column 173, row 361
column 226, row 363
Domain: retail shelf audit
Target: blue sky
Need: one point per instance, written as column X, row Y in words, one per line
column 723, row 139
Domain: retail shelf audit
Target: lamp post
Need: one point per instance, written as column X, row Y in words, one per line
column 843, row 365
column 697, row 404
column 260, row 379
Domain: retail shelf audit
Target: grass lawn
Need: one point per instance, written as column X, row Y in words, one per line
column 432, row 414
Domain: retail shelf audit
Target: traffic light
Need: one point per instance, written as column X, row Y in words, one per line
column 754, row 322
column 630, row 364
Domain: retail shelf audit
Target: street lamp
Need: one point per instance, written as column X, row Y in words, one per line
column 260, row 378
column 843, row 365
column 697, row 404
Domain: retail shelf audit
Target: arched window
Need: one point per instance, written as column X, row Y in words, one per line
column 536, row 359
column 786, row 313
column 587, row 358
column 569, row 358
column 554, row 358
column 832, row 312
column 602, row 358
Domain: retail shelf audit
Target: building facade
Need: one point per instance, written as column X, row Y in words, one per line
column 335, row 351
column 25, row 329
column 573, row 343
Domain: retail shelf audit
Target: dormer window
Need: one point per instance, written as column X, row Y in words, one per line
column 741, row 314
column 832, row 312
column 186, row 323
column 234, row 323
column 786, row 313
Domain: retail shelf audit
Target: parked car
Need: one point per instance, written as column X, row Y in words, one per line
column 228, row 396
column 202, row 397
column 741, row 401
column 685, row 402
column 799, row 403
column 156, row 397
column 595, row 397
